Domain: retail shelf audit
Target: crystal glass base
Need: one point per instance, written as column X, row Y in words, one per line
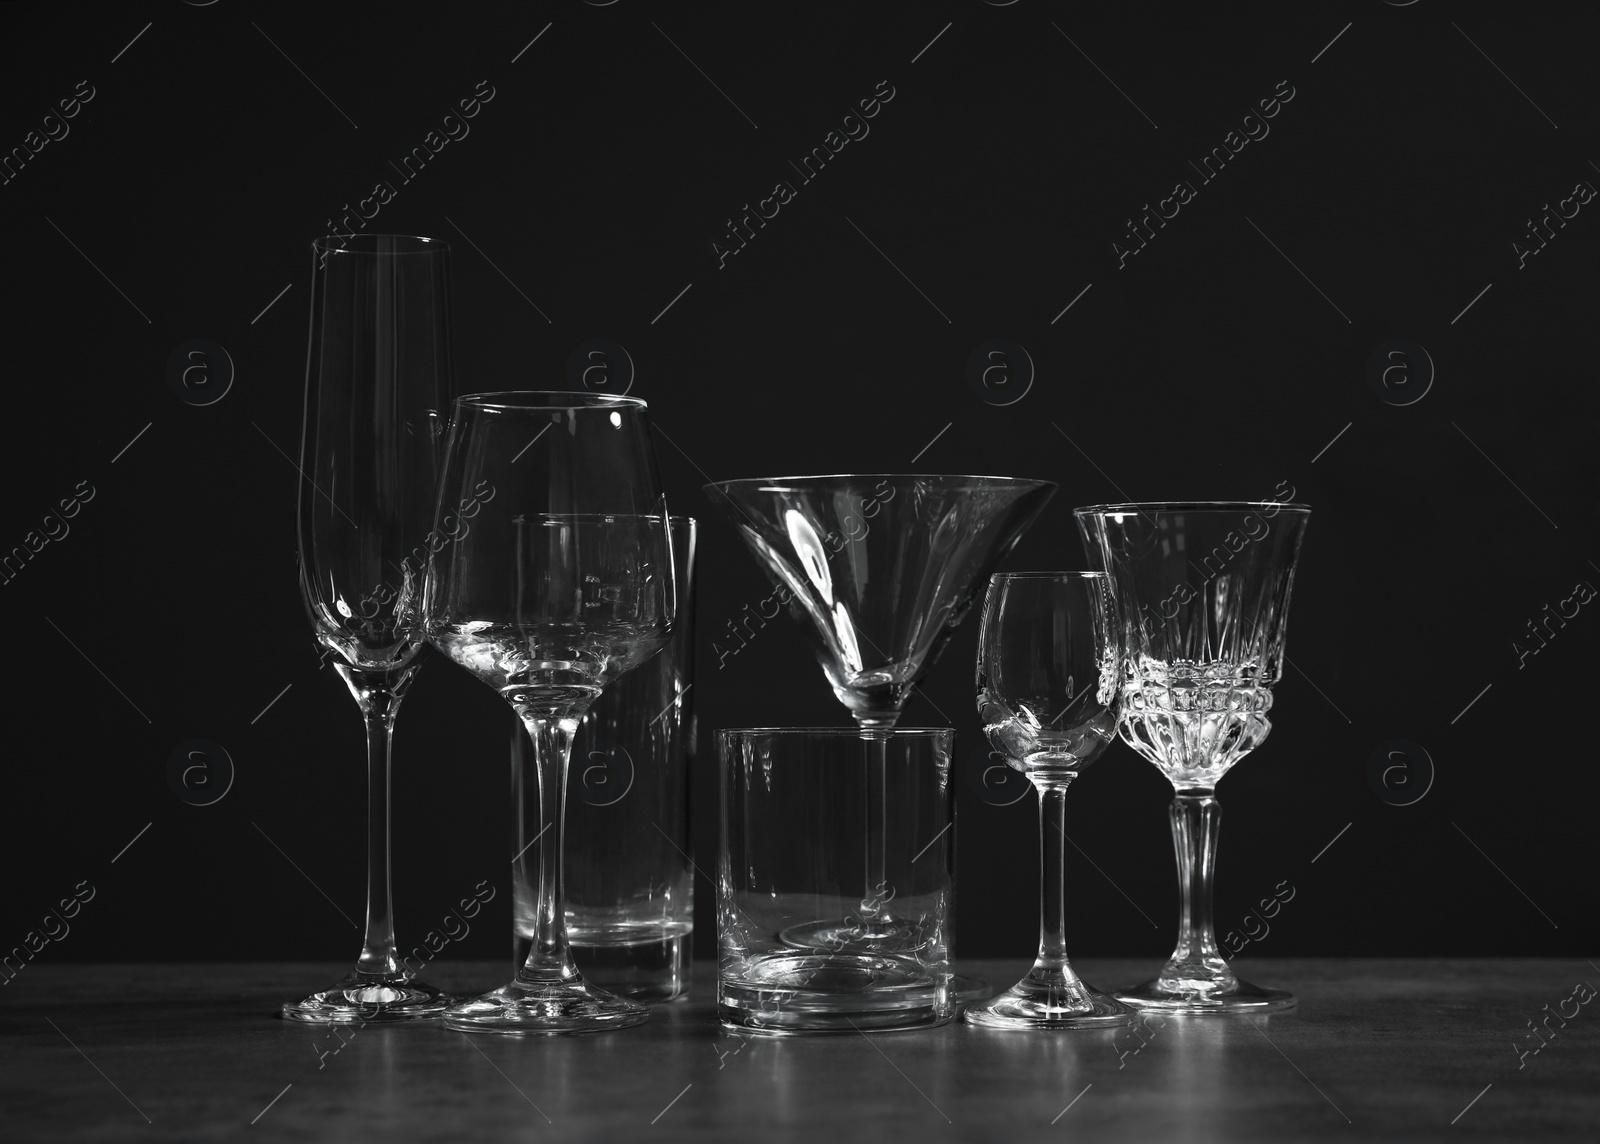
column 1040, row 1003
column 803, row 992
column 521, row 1009
column 885, row 936
column 370, row 997
column 1167, row 995
column 657, row 970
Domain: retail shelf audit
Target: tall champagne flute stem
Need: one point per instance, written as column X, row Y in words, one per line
column 549, row 958
column 378, row 693
column 1196, row 817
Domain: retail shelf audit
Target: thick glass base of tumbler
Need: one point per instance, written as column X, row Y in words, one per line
column 655, row 970
column 1174, row 995
column 519, row 1009
column 1038, row 1003
column 365, row 997
column 801, row 992
column 887, row 936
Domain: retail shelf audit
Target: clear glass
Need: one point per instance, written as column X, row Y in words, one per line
column 628, row 877
column 378, row 386
column 880, row 569
column 1202, row 603
column 795, row 815
column 556, row 579
column 1047, row 695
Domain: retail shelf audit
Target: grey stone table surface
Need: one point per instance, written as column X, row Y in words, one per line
column 1377, row 1049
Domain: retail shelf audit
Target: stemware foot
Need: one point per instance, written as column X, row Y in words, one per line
column 1047, row 1004
column 567, row 1007
column 1168, row 995
column 364, row 997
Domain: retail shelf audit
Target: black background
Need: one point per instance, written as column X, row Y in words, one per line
column 996, row 180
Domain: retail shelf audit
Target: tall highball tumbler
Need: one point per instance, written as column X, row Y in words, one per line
column 1202, row 592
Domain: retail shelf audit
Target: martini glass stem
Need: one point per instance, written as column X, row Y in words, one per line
column 878, row 894
column 1196, row 817
column 549, row 960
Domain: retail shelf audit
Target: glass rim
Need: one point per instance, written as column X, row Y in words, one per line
column 497, row 401
column 879, row 476
column 839, row 732
column 1137, row 507
column 1065, row 574
column 342, row 244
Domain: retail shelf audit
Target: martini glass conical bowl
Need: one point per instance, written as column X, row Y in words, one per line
column 879, row 570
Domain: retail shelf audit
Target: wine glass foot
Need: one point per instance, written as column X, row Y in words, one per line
column 1035, row 1005
column 568, row 1007
column 363, row 997
column 1233, row 996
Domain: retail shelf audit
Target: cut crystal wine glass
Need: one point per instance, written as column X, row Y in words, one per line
column 1202, row 602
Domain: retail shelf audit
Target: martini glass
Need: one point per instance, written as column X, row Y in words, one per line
column 880, row 569
column 1202, row 597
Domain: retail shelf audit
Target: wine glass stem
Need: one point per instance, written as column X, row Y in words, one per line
column 378, row 693
column 549, row 958
column 1052, row 878
column 1196, row 817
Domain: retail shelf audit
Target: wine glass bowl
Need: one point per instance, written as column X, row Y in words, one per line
column 1202, row 599
column 1047, row 695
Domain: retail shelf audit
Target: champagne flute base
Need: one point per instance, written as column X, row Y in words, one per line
column 520, row 1009
column 363, row 997
column 1238, row 996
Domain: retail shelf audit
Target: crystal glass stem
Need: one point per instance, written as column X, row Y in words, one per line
column 549, row 959
column 1196, row 816
column 378, row 693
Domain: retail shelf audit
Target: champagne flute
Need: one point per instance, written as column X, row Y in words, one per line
column 377, row 389
column 557, row 578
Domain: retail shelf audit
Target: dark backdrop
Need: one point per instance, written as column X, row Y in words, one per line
column 1389, row 194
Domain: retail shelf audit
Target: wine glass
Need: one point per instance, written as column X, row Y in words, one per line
column 1202, row 600
column 879, row 569
column 555, row 577
column 378, row 386
column 1047, row 695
